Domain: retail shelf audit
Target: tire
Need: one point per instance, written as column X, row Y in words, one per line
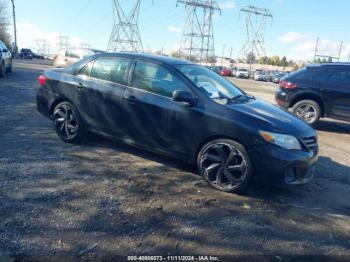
column 67, row 123
column 2, row 70
column 225, row 165
column 9, row 69
column 307, row 110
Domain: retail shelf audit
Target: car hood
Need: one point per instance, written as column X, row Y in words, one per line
column 265, row 116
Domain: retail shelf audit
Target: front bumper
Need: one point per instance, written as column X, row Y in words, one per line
column 282, row 167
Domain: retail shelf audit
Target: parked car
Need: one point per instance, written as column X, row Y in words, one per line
column 233, row 70
column 69, row 56
column 5, row 60
column 26, row 53
column 183, row 110
column 225, row 72
column 317, row 91
column 260, row 76
column 276, row 77
column 242, row 73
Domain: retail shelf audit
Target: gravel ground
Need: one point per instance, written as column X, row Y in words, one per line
column 103, row 197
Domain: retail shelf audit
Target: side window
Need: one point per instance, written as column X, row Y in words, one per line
column 340, row 77
column 156, row 79
column 111, row 69
column 86, row 70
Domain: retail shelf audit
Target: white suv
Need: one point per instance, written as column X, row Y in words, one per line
column 5, row 60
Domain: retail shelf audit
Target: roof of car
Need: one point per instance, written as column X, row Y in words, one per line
column 329, row 64
column 159, row 58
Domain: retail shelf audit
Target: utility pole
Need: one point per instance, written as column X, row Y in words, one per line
column 256, row 21
column 231, row 50
column 14, row 28
column 316, row 49
column 223, row 54
column 197, row 42
column 125, row 35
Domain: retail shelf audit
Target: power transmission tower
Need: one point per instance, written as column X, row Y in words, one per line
column 197, row 42
column 256, row 21
column 63, row 42
column 125, row 34
column 43, row 47
column 318, row 55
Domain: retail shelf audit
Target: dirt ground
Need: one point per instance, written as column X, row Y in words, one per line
column 102, row 197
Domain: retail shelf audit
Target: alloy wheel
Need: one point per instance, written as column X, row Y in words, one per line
column 66, row 121
column 223, row 166
column 306, row 112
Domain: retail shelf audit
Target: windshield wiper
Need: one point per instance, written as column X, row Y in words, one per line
column 237, row 97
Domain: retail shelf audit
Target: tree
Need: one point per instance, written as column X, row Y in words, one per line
column 251, row 59
column 175, row 54
column 275, row 60
column 284, row 62
column 4, row 34
column 263, row 60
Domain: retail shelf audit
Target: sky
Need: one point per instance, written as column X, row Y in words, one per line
column 292, row 32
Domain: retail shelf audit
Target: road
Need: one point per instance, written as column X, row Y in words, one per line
column 105, row 197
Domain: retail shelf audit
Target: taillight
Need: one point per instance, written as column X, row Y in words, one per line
column 287, row 85
column 42, row 80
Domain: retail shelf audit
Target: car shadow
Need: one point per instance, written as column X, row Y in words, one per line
column 333, row 126
column 325, row 192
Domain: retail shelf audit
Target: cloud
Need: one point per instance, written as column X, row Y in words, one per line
column 174, row 29
column 291, row 37
column 28, row 33
column 227, row 5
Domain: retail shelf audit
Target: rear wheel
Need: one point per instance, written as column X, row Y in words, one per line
column 308, row 110
column 67, row 122
column 225, row 165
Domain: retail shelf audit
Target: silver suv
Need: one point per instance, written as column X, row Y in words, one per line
column 5, row 60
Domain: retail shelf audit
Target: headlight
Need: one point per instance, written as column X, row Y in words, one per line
column 285, row 141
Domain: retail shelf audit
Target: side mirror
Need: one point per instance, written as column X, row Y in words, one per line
column 184, row 97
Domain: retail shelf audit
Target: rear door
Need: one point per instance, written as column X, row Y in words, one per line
column 102, row 86
column 338, row 93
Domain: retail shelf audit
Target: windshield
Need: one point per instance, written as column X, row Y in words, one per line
column 215, row 86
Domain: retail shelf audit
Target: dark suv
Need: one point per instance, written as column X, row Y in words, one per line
column 317, row 91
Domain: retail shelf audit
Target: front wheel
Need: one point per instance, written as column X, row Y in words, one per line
column 225, row 165
column 67, row 122
column 307, row 110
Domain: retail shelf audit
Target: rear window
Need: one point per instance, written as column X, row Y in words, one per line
column 72, row 53
column 340, row 77
column 310, row 74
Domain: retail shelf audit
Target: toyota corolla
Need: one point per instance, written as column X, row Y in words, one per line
column 183, row 110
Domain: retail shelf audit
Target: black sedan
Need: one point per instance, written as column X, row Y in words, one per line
column 183, row 110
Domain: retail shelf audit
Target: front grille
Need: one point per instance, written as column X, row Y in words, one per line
column 310, row 142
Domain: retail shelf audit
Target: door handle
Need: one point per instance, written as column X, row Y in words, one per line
column 80, row 85
column 131, row 99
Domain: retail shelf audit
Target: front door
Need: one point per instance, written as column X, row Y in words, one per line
column 155, row 119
